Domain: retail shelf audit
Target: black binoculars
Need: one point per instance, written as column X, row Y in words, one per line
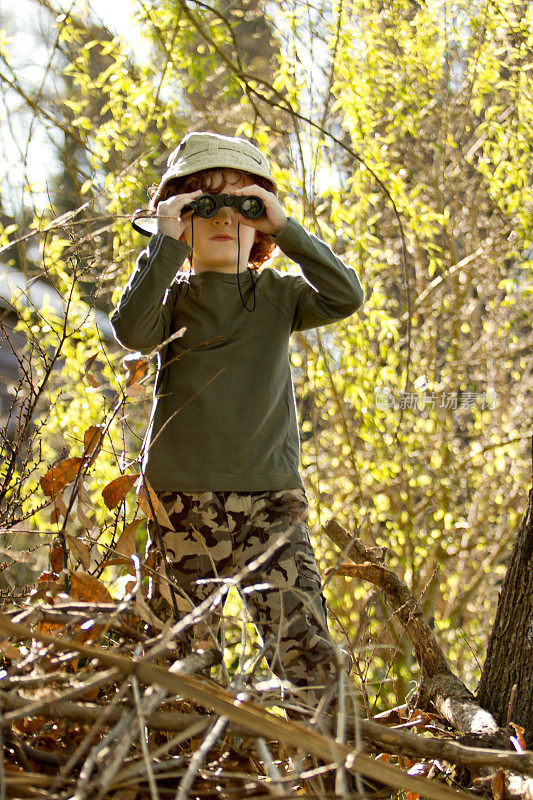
column 206, row 205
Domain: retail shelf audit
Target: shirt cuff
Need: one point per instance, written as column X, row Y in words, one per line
column 168, row 248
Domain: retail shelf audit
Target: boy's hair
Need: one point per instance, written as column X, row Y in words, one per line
column 206, row 180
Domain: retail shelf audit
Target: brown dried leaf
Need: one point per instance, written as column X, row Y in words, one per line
column 91, row 439
column 160, row 513
column 83, row 494
column 92, row 381
column 498, row 785
column 60, row 506
column 85, row 521
column 117, row 490
column 135, row 390
column 89, row 362
column 88, row 588
column 79, row 550
column 56, row 555
column 126, row 541
column 86, row 636
column 50, row 628
column 136, row 366
column 91, row 694
column 422, row 717
column 47, row 577
column 143, row 611
column 48, row 585
column 150, row 561
column 59, row 476
column 184, row 606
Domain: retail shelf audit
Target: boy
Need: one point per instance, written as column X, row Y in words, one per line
column 222, row 447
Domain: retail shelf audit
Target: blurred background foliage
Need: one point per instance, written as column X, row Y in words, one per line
column 400, row 132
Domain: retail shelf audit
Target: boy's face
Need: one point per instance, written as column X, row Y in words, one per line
column 215, row 245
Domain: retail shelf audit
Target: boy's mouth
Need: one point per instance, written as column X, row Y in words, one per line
column 222, row 237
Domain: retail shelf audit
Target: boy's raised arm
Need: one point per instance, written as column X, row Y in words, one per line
column 141, row 319
column 331, row 289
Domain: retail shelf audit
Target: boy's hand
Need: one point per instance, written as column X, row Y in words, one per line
column 169, row 219
column 274, row 218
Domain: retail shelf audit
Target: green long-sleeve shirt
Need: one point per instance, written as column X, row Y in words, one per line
column 224, row 413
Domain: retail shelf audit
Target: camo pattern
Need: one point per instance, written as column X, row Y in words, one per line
column 216, row 535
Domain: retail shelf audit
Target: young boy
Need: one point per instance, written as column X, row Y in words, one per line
column 222, row 447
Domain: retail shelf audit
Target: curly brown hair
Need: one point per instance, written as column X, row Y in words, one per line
column 206, row 180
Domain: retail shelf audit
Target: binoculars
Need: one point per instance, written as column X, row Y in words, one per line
column 206, row 205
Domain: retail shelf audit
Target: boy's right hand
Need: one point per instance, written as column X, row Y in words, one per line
column 169, row 219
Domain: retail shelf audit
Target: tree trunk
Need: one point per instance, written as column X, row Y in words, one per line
column 509, row 660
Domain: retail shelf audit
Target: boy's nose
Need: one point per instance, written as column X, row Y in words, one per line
column 223, row 215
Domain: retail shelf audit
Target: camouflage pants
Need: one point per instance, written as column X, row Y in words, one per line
column 217, row 535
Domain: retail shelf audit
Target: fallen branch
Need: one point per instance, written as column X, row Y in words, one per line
column 439, row 686
column 395, row 741
column 248, row 714
column 50, row 708
column 389, row 739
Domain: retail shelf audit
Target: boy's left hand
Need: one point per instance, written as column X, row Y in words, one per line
column 274, row 218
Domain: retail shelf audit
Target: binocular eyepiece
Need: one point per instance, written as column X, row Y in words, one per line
column 206, row 205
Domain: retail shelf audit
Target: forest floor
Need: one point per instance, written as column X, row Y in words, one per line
column 97, row 704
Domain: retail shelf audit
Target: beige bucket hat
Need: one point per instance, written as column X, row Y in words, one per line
column 200, row 150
